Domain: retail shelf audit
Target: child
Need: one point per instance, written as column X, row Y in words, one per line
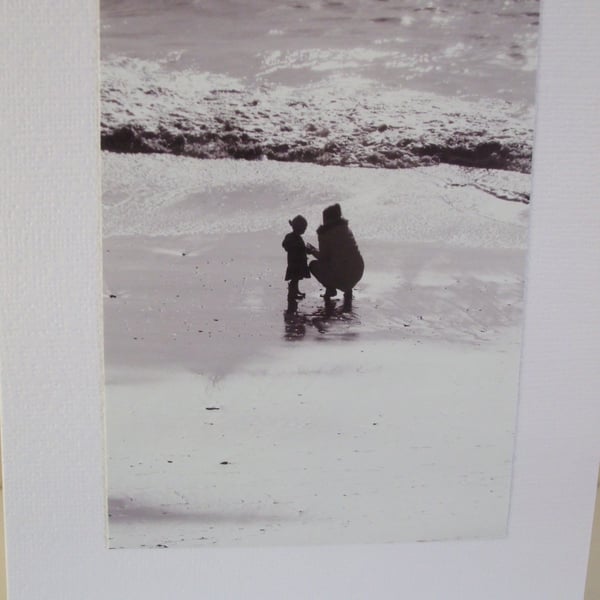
column 297, row 260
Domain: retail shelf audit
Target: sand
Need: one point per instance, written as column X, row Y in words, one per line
column 230, row 422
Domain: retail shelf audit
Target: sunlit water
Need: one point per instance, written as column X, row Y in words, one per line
column 348, row 82
column 465, row 47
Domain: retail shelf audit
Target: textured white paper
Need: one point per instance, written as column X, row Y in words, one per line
column 50, row 352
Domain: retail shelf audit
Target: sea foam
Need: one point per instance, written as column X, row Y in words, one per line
column 149, row 108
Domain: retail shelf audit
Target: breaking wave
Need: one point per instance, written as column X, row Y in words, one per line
column 149, row 108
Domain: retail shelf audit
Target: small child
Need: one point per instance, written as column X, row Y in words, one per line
column 297, row 257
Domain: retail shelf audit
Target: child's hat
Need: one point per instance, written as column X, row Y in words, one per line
column 298, row 221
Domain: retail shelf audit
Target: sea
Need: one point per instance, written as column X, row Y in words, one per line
column 370, row 83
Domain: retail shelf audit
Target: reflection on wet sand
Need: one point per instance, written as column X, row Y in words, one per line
column 329, row 320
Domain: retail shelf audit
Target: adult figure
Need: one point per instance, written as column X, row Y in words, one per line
column 339, row 264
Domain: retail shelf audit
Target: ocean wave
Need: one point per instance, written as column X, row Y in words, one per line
column 147, row 108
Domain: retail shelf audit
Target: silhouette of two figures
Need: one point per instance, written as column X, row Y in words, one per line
column 337, row 264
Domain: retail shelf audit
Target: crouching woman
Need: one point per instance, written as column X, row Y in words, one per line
column 339, row 264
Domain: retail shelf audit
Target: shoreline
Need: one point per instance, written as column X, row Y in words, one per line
column 147, row 108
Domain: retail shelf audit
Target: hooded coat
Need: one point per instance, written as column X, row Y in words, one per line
column 339, row 264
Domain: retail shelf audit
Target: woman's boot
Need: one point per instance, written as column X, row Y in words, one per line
column 348, row 300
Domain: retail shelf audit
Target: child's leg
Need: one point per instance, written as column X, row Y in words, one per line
column 293, row 287
column 293, row 291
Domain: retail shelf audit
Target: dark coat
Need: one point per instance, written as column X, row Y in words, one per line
column 340, row 264
column 297, row 258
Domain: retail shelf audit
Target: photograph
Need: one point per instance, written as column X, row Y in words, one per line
column 315, row 226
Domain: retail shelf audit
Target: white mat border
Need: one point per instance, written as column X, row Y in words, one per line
column 50, row 352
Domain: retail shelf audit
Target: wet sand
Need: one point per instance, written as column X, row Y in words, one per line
column 233, row 422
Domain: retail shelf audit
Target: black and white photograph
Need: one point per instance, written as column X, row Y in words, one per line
column 315, row 223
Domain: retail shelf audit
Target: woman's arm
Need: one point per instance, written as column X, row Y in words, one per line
column 325, row 247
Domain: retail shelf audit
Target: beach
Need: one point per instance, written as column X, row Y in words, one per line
column 233, row 419
column 230, row 422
